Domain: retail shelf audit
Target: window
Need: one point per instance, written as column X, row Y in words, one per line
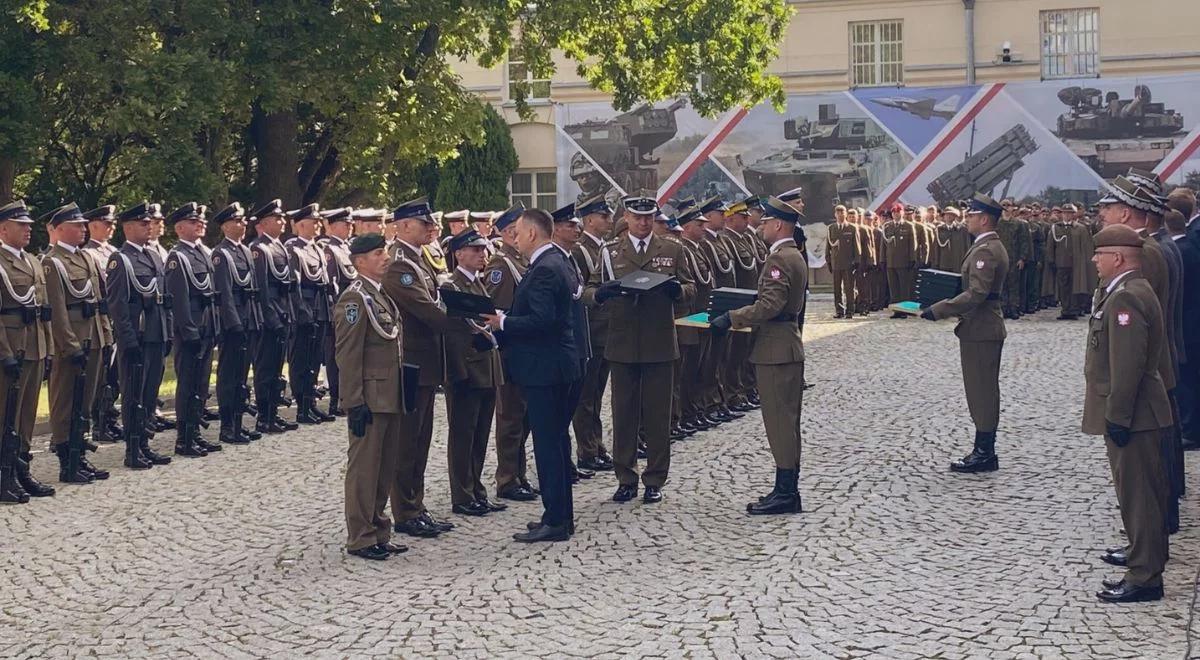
column 535, row 88
column 1070, row 43
column 537, row 189
column 876, row 54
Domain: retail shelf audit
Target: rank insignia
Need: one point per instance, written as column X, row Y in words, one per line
column 351, row 313
column 1122, row 318
column 495, row 277
column 979, row 265
column 775, row 273
column 172, row 264
column 406, row 279
column 216, row 259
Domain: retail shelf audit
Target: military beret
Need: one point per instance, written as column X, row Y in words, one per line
column 564, row 213
column 594, row 204
column 189, row 211
column 16, row 212
column 308, row 212
column 788, row 196
column 1118, row 236
column 273, row 207
column 376, row 215
column 337, row 215
column 777, row 208
column 416, row 208
column 364, row 243
column 981, row 203
column 66, row 213
column 508, row 216
column 711, row 205
column 640, row 204
column 467, row 238
column 101, row 214
column 139, row 212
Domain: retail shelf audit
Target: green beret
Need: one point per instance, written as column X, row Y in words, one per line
column 1118, row 236
column 366, row 243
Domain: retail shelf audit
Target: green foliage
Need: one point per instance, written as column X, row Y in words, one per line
column 478, row 177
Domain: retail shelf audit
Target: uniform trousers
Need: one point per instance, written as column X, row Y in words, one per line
column 303, row 361
column 512, row 429
column 1187, row 394
column 1033, row 286
column 1062, row 288
column 640, row 394
column 142, row 385
column 900, row 283
column 469, row 410
column 1142, row 492
column 549, row 410
column 863, row 293
column 739, row 353
column 268, row 367
column 193, row 364
column 981, row 380
column 231, row 375
column 843, row 291
column 62, row 390
column 370, row 472
column 28, row 388
column 689, row 390
column 711, row 381
column 782, row 397
column 416, row 433
column 589, row 430
column 331, row 368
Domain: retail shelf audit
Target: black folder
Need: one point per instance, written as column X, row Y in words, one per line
column 410, row 378
column 460, row 304
column 936, row 285
column 723, row 299
column 642, row 281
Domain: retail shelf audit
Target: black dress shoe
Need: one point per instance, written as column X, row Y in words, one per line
column 543, row 533
column 701, row 423
column 653, row 495
column 250, row 434
column 625, row 493
column 209, row 416
column 493, row 506
column 307, row 417
column 1190, row 445
column 229, row 435
column 439, row 525
column 517, row 492
column 417, row 527
column 373, row 552
column 337, row 412
column 529, row 487
column 152, row 456
column 584, row 473
column 732, row 414
column 286, row 425
column 471, row 509
column 1120, row 558
column 594, row 464
column 393, row 548
column 96, row 472
column 976, row 461
column 32, row 486
column 189, row 449
column 270, row 427
column 321, row 415
column 687, row 427
column 1110, row 583
column 1117, row 548
column 208, row 446
column 1128, row 593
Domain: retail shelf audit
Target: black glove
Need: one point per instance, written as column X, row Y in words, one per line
column 927, row 314
column 608, row 290
column 79, row 359
column 721, row 324
column 1120, row 435
column 12, row 368
column 359, row 418
column 673, row 289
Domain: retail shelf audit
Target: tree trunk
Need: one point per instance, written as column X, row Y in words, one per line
column 278, row 157
column 8, row 177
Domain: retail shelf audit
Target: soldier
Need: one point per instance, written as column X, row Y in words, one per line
column 879, row 290
column 432, row 252
column 778, row 353
column 567, row 229
column 486, row 224
column 1127, row 403
column 340, row 274
column 473, row 375
column 368, row 221
column 311, row 304
column 455, row 223
column 712, row 372
column 1014, row 235
column 866, row 262
column 900, row 244
column 73, row 293
column 693, row 354
column 275, row 281
column 412, row 284
column 842, row 255
column 370, row 353
column 159, row 254
column 105, row 427
column 745, row 267
column 1033, row 270
column 196, row 323
column 137, row 304
column 591, row 453
column 24, row 344
column 241, row 323
column 980, row 330
column 503, row 272
column 668, row 229
column 641, row 347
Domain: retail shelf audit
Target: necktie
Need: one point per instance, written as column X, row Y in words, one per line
column 641, row 247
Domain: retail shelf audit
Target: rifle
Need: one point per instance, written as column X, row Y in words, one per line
column 79, row 420
column 195, row 403
column 10, row 442
column 131, row 395
column 104, row 400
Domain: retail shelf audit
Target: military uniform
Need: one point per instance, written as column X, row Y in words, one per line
column 745, row 269
column 589, row 429
column 694, row 344
column 340, row 274
column 711, row 371
column 1032, row 289
column 275, row 281
column 900, row 244
column 865, row 265
column 311, row 304
column 104, row 413
column 842, row 256
column 241, row 322
column 1014, row 236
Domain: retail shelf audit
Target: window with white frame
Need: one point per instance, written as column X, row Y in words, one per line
column 535, row 189
column 876, row 53
column 1070, row 43
column 535, row 88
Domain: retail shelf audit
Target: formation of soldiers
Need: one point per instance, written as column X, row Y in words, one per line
column 874, row 258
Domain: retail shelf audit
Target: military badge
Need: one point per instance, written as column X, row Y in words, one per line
column 351, row 313
column 1122, row 318
column 775, row 273
column 112, row 264
column 216, row 259
column 172, row 264
column 495, row 277
column 406, row 279
column 979, row 265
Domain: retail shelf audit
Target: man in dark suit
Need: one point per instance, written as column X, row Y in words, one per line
column 538, row 351
column 1187, row 389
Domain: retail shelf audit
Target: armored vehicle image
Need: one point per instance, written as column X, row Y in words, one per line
column 1112, row 134
column 985, row 170
column 623, row 147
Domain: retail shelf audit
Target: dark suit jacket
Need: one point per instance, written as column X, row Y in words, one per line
column 1189, row 254
column 537, row 343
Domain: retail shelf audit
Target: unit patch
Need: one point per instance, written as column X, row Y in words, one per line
column 351, row 313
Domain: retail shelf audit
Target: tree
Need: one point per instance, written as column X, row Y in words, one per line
column 478, row 177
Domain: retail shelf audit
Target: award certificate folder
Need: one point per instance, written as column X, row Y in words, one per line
column 461, row 304
column 641, row 281
column 700, row 320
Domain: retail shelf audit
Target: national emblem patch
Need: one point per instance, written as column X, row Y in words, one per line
column 1122, row 318
column 979, row 265
column 775, row 273
column 351, row 313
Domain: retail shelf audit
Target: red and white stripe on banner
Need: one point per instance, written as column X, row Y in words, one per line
column 701, row 153
column 1179, row 155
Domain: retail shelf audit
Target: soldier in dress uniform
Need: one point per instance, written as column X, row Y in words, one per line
column 1014, row 235
column 473, row 376
column 25, row 342
column 105, row 427
column 135, row 289
column 738, row 372
column 980, row 330
column 642, row 346
column 240, row 320
column 432, row 252
column 455, row 223
column 197, row 325
column 712, row 372
column 1126, row 402
column 79, row 337
column 370, row 353
column 693, row 344
column 485, row 224
column 591, row 453
column 275, row 281
column 567, row 229
column 159, row 253
column 311, row 303
column 503, row 272
column 865, row 264
column 341, row 274
column 412, row 284
column 1033, row 269
column 778, row 353
column 900, row 243
column 842, row 256
column 368, row 221
column 666, row 228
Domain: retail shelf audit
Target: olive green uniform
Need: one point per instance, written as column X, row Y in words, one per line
column 24, row 331
column 501, row 276
column 586, row 423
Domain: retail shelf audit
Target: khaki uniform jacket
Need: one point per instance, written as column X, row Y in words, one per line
column 587, row 257
column 1154, row 270
column 866, row 248
column 641, row 328
column 100, row 252
column 411, row 284
column 978, row 306
column 368, row 349
column 745, row 264
column 22, row 274
column 780, row 303
column 721, row 260
column 700, row 270
column 843, row 251
column 464, row 364
column 1126, row 340
column 502, row 275
column 70, row 326
column 900, row 244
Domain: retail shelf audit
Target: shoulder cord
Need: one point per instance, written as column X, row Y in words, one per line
column 201, row 285
column 706, row 281
column 285, row 275
column 512, row 268
column 733, row 250
column 243, row 282
column 717, row 259
column 150, row 289
column 937, row 236
column 369, row 304
column 350, row 274
column 436, row 294
column 86, row 293
column 607, row 265
column 587, row 256
column 29, row 299
column 319, row 276
column 1054, row 235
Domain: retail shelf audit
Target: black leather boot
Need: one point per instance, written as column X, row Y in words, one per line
column 65, row 474
column 784, row 499
column 305, row 410
column 97, row 473
column 982, row 458
column 185, row 444
column 199, row 441
column 32, row 486
column 10, row 487
column 133, row 456
column 151, row 456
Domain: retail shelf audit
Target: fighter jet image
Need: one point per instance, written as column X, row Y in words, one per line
column 923, row 108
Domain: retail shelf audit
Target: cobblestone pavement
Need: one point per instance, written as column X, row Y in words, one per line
column 240, row 554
